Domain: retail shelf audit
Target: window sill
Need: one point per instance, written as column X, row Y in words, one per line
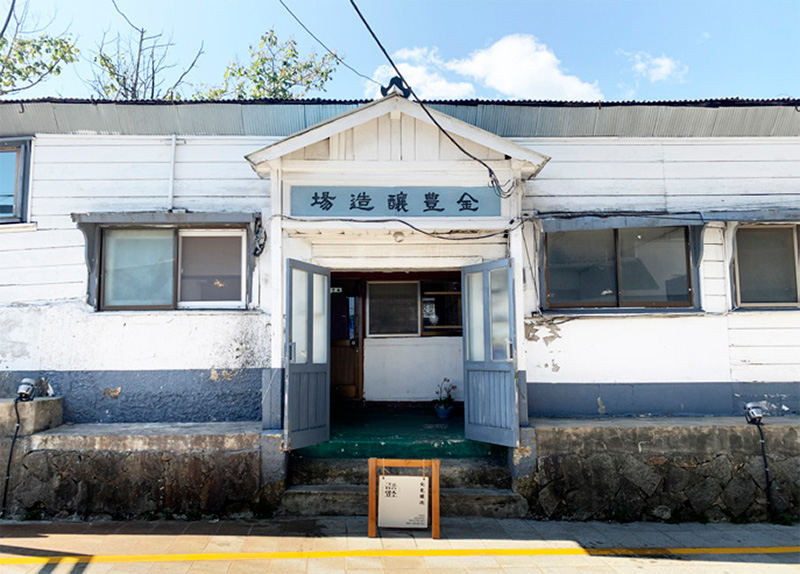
column 765, row 308
column 185, row 312
column 625, row 312
column 15, row 227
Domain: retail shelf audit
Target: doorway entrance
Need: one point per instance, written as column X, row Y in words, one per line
column 392, row 337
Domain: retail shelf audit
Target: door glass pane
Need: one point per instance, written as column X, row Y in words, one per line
column 654, row 266
column 475, row 328
column 211, row 268
column 299, row 335
column 138, row 267
column 321, row 298
column 501, row 322
column 581, row 269
column 767, row 265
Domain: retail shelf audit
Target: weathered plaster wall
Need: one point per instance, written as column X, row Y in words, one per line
column 629, row 469
column 138, row 366
column 410, row 368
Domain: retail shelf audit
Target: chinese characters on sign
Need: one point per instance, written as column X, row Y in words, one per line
column 403, row 501
column 360, row 201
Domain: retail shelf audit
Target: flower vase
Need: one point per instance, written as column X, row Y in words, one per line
column 442, row 411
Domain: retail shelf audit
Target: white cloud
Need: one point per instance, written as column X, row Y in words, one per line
column 656, row 69
column 516, row 66
column 423, row 71
column 519, row 66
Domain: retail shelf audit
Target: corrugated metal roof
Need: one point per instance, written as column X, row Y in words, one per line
column 280, row 118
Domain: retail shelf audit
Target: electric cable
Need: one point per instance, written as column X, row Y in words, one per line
column 494, row 182
column 515, row 223
column 10, row 454
column 331, row 52
column 766, row 469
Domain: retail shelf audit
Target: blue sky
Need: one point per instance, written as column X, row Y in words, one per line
column 493, row 49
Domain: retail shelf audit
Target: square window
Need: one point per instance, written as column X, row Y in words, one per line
column 211, row 268
column 168, row 268
column 138, row 268
column 631, row 267
column 767, row 266
column 393, row 308
column 13, row 178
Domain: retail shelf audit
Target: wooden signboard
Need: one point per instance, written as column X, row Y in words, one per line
column 401, row 495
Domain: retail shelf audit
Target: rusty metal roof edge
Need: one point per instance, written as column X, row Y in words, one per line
column 709, row 102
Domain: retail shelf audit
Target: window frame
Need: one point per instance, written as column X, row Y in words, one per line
column 418, row 333
column 177, row 233
column 194, row 232
column 737, row 269
column 22, row 147
column 691, row 268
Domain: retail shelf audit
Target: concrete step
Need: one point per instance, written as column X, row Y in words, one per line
column 454, row 473
column 351, row 500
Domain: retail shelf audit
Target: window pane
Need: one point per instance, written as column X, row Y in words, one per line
column 321, row 298
column 138, row 267
column 501, row 324
column 767, row 265
column 654, row 266
column 211, row 268
column 475, row 330
column 394, row 308
column 299, row 335
column 581, row 268
column 8, row 181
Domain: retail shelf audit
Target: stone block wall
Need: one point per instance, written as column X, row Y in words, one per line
column 128, row 471
column 661, row 469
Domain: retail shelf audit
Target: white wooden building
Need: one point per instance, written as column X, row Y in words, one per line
column 182, row 261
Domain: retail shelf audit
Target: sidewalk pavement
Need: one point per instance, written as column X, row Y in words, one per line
column 340, row 544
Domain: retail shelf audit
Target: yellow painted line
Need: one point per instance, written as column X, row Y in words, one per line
column 310, row 555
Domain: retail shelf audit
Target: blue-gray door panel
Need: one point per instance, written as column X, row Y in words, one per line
column 491, row 401
column 307, row 409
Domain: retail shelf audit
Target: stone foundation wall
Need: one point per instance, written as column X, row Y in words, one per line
column 120, row 474
column 668, row 469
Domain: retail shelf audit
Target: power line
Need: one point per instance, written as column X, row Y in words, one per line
column 331, row 52
column 494, row 183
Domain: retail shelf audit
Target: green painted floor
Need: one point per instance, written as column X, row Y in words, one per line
column 397, row 431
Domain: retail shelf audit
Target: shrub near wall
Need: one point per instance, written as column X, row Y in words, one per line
column 662, row 470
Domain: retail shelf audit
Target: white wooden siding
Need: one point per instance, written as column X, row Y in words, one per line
column 82, row 174
column 389, row 139
column 765, row 345
column 678, row 175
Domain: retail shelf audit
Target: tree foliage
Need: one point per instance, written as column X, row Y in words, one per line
column 136, row 67
column 28, row 57
column 275, row 70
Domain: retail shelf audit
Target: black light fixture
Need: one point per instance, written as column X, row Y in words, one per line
column 26, row 390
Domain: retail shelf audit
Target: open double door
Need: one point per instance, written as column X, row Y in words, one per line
column 491, row 400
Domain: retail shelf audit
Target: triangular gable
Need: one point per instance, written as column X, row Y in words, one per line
column 317, row 140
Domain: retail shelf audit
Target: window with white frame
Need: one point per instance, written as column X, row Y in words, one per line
column 630, row 267
column 169, row 268
column 767, row 266
column 14, row 158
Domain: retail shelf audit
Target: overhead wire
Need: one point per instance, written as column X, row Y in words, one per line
column 513, row 224
column 494, row 182
column 321, row 43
